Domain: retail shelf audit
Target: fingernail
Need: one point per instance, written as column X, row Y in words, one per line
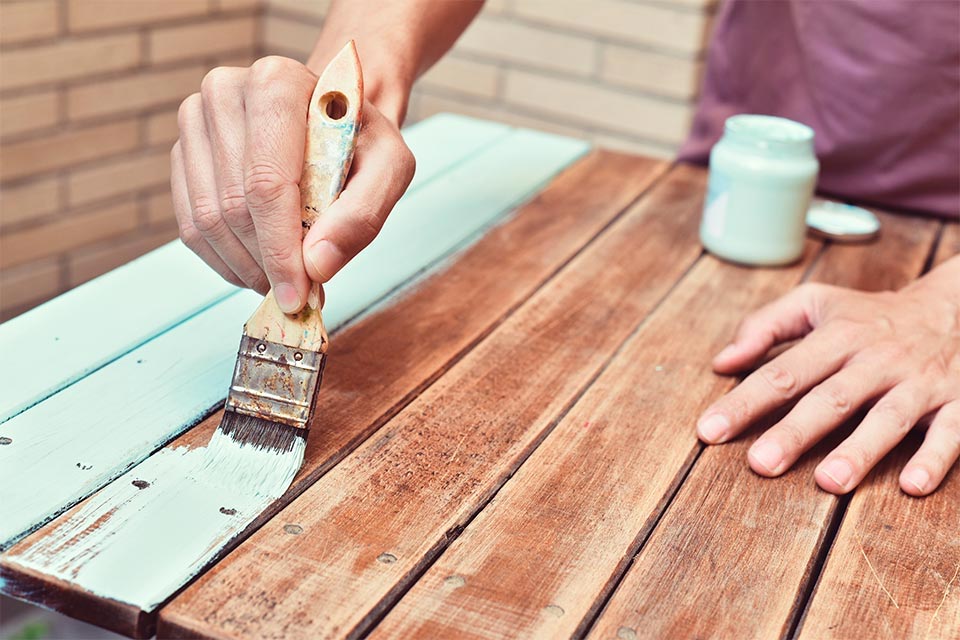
column 727, row 351
column 918, row 477
column 714, row 427
column 839, row 471
column 287, row 297
column 325, row 259
column 768, row 455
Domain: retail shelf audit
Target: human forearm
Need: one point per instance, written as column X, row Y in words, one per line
column 397, row 41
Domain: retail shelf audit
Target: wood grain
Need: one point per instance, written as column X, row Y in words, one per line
column 735, row 554
column 84, row 436
column 371, row 525
column 949, row 243
column 378, row 364
column 894, row 548
column 542, row 557
column 894, row 568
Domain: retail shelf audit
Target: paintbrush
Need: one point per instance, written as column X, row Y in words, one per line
column 262, row 435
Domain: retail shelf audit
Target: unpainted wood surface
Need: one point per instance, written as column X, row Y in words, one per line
column 735, row 553
column 379, row 363
column 377, row 519
column 541, row 558
column 83, row 437
column 893, row 568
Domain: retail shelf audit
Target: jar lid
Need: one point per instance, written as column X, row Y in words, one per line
column 841, row 222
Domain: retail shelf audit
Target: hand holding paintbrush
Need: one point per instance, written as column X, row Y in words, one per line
column 281, row 356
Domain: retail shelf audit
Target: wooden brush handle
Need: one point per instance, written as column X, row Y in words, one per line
column 333, row 121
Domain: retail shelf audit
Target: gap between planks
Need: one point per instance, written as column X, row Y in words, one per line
column 528, row 273
column 348, row 504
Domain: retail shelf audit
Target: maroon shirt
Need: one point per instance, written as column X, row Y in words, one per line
column 878, row 80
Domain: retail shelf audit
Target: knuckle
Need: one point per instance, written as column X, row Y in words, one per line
column 206, row 215
column 189, row 109
column 857, row 455
column 190, row 237
column 779, row 379
column 369, row 222
column 267, row 70
column 233, row 207
column 263, row 185
column 792, row 436
column 276, row 259
column 214, row 83
column 834, row 398
column 892, row 415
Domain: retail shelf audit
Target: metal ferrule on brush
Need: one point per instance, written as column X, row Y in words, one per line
column 275, row 382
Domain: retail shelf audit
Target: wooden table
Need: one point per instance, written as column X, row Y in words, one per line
column 505, row 445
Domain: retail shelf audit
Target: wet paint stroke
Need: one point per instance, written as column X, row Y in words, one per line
column 154, row 528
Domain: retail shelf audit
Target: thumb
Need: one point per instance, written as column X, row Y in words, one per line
column 787, row 318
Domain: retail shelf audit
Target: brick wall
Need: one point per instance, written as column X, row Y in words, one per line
column 88, row 97
column 89, row 91
column 621, row 73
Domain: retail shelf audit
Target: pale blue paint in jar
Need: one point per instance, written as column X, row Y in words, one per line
column 763, row 172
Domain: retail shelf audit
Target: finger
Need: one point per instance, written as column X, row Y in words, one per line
column 277, row 95
column 818, row 356
column 204, row 201
column 894, row 415
column 938, row 453
column 819, row 412
column 223, row 112
column 784, row 319
column 382, row 170
column 188, row 233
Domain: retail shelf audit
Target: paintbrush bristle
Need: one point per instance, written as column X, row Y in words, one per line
column 253, row 452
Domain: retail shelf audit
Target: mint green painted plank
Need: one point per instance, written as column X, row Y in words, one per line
column 65, row 339
column 84, row 436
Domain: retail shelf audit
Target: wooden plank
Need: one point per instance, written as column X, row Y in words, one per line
column 894, row 548
column 894, row 567
column 81, row 438
column 949, row 243
column 402, row 348
column 374, row 522
column 540, row 559
column 117, row 312
column 735, row 553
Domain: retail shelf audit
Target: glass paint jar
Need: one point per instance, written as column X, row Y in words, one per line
column 762, row 176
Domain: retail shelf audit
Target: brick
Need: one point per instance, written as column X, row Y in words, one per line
column 29, row 284
column 463, row 76
column 162, row 129
column 83, row 15
column 314, row 9
column 29, row 201
column 29, row 112
column 159, row 207
column 68, row 232
column 124, row 175
column 22, row 21
column 68, row 59
column 597, row 106
column 501, row 39
column 202, row 39
column 649, row 71
column 86, row 264
column 134, row 93
column 287, row 36
column 66, row 148
column 672, row 28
